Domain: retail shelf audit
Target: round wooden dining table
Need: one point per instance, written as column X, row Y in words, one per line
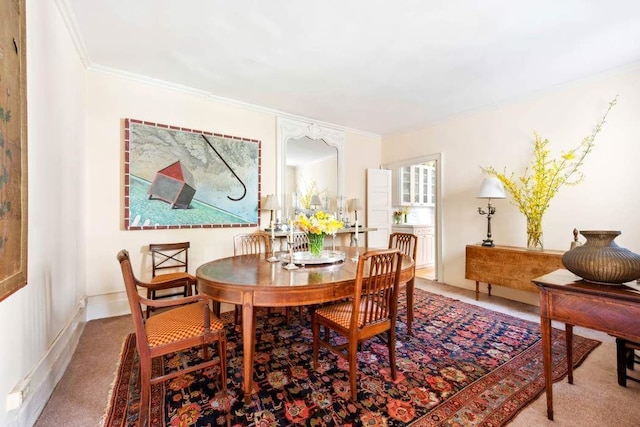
column 251, row 281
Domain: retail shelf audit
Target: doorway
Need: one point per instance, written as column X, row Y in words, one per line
column 417, row 191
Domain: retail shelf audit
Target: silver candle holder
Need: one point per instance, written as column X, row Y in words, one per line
column 273, row 257
column 290, row 265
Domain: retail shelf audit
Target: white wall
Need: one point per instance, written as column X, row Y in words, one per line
column 36, row 319
column 503, row 137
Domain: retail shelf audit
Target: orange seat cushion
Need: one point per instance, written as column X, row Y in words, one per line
column 341, row 314
column 177, row 324
column 173, row 276
column 162, row 281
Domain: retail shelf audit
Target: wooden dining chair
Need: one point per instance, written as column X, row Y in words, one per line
column 408, row 245
column 300, row 242
column 188, row 322
column 371, row 311
column 250, row 244
column 169, row 270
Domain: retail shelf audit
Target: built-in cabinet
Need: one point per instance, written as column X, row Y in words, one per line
column 415, row 186
column 426, row 242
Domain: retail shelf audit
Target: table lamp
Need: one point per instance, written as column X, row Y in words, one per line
column 356, row 206
column 491, row 188
column 271, row 203
column 315, row 202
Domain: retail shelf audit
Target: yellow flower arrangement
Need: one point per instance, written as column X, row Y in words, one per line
column 316, row 226
column 533, row 190
column 319, row 223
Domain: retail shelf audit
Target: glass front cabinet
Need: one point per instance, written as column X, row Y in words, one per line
column 416, row 185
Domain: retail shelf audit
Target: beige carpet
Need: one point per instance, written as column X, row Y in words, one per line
column 595, row 398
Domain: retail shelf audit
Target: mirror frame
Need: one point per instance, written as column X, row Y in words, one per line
column 294, row 129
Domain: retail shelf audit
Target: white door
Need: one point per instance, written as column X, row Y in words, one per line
column 379, row 207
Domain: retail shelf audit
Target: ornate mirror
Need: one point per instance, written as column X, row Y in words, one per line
column 310, row 161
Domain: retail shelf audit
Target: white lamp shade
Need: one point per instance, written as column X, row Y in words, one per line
column 356, row 205
column 491, row 188
column 315, row 200
column 271, row 203
column 333, row 204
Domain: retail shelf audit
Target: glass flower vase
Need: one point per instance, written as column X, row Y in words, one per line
column 316, row 243
column 534, row 234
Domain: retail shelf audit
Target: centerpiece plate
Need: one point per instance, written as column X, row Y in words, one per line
column 305, row 258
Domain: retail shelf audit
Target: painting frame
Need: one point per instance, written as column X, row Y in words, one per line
column 176, row 177
column 13, row 141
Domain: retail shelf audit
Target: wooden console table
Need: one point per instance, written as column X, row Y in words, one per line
column 509, row 266
column 567, row 298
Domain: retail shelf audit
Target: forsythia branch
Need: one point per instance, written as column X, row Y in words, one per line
column 532, row 191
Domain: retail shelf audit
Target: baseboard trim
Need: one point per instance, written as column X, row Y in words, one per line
column 33, row 392
column 107, row 305
column 117, row 304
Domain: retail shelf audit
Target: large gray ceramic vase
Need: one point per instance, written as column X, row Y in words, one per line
column 601, row 260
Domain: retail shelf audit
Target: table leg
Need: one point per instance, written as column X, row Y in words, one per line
column 216, row 308
column 477, row 290
column 248, row 337
column 545, row 327
column 569, row 342
column 410, row 288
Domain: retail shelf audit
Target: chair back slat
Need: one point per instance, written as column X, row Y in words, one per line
column 300, row 242
column 376, row 295
column 406, row 242
column 251, row 244
column 174, row 256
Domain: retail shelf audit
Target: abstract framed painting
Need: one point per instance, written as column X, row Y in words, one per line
column 175, row 177
column 13, row 147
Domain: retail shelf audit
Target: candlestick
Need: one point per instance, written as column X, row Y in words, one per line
column 355, row 239
column 291, row 265
column 273, row 257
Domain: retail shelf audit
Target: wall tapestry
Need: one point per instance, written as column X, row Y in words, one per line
column 13, row 147
column 184, row 178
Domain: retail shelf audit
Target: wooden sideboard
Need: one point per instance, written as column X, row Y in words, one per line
column 509, row 266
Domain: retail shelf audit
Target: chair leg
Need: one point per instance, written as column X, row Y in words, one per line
column 353, row 369
column 145, row 392
column 409, row 290
column 205, row 351
column 316, row 342
column 391, row 344
column 237, row 318
column 222, row 353
column 150, row 295
column 630, row 355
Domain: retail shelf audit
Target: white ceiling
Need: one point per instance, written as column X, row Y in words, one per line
column 379, row 66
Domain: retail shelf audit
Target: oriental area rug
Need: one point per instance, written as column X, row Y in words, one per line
column 464, row 365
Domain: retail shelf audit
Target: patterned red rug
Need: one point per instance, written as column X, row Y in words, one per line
column 465, row 365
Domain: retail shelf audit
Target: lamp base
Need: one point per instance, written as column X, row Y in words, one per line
column 488, row 242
